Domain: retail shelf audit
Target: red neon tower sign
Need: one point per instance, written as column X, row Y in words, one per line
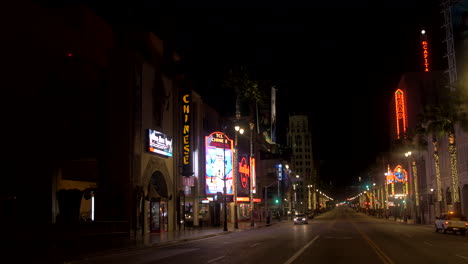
column 424, row 44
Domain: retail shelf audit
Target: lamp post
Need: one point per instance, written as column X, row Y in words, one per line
column 225, row 228
column 236, row 174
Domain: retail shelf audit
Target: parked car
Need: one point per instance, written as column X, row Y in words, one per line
column 300, row 219
column 451, row 222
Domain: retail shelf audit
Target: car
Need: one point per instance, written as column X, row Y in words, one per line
column 300, row 219
column 451, row 222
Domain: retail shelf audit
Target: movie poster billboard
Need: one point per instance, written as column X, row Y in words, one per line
column 159, row 143
column 218, row 163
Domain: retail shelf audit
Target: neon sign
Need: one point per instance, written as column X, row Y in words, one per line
column 252, row 174
column 425, row 55
column 244, row 171
column 400, row 112
column 186, row 166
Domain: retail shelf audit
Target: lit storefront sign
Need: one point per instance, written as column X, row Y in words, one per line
column 279, row 167
column 247, row 199
column 218, row 163
column 159, row 143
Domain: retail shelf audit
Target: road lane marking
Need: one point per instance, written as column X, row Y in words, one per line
column 298, row 253
column 427, row 243
column 216, row 259
column 256, row 244
column 460, row 256
column 385, row 259
column 332, row 237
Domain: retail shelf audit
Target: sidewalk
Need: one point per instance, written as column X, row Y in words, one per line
column 68, row 251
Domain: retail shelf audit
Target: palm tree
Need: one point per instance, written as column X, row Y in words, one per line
column 247, row 90
column 441, row 120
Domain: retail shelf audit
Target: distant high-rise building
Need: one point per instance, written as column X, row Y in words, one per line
column 299, row 139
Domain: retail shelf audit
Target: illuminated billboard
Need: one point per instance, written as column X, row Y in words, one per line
column 218, row 163
column 159, row 143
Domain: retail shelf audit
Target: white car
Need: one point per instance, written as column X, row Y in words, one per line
column 300, row 219
column 451, row 222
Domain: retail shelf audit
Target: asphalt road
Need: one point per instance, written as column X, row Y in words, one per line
column 338, row 236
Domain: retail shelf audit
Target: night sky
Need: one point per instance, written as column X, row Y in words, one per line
column 337, row 61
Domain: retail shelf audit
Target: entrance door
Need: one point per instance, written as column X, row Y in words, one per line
column 155, row 223
column 158, row 217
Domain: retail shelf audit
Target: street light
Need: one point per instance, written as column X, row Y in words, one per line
column 236, row 174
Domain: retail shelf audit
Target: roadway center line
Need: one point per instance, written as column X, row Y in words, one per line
column 385, row 259
column 256, row 244
column 298, row 253
column 460, row 256
column 216, row 259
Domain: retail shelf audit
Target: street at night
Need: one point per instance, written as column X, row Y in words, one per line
column 274, row 132
column 338, row 236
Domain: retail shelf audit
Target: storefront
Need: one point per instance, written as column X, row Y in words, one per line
column 158, row 216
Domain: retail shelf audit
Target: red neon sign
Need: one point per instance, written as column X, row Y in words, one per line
column 425, row 55
column 400, row 112
column 244, row 172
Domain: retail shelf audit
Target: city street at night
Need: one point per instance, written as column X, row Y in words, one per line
column 338, row 236
column 262, row 132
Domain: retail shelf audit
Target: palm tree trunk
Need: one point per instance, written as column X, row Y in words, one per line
column 454, row 171
column 437, row 172
column 416, row 191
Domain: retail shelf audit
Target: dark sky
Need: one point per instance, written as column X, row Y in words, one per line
column 338, row 61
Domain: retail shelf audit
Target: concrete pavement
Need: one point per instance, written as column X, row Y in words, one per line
column 68, row 251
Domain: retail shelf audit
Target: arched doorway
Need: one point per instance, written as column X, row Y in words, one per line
column 158, row 196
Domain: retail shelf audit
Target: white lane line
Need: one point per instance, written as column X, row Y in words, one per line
column 215, row 259
column 427, row 243
column 298, row 253
column 460, row 256
column 256, row 244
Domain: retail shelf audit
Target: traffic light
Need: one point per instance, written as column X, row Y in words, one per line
column 276, row 201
